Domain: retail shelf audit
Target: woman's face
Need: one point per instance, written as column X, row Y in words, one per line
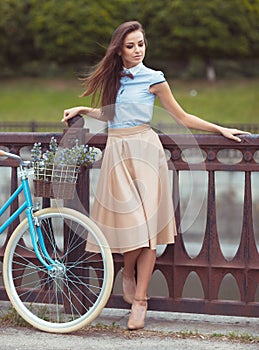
column 133, row 49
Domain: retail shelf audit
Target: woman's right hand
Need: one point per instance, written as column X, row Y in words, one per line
column 71, row 112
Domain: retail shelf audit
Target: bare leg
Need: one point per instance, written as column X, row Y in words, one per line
column 130, row 261
column 128, row 275
column 145, row 266
column 145, row 259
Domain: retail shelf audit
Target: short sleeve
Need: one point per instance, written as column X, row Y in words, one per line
column 157, row 77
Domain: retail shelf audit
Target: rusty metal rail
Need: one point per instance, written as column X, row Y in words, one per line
column 207, row 155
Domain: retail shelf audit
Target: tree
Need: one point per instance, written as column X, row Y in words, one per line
column 71, row 31
column 16, row 41
column 182, row 29
column 68, row 31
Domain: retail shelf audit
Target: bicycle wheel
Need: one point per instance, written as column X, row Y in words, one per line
column 72, row 294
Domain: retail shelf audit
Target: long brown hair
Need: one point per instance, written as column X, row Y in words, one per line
column 104, row 82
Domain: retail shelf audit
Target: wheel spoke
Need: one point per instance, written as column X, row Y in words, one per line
column 74, row 291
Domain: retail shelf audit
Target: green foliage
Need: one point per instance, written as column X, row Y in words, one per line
column 16, row 41
column 62, row 30
column 57, row 32
column 206, row 29
column 68, row 30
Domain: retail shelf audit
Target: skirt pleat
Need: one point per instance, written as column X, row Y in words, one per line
column 133, row 200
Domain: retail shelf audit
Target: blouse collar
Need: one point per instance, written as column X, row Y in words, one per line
column 133, row 70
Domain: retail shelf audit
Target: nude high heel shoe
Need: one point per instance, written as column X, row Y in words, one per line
column 128, row 287
column 138, row 314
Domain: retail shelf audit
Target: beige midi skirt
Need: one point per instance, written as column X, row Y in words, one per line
column 133, row 200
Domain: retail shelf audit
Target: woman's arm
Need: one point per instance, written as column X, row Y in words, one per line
column 95, row 113
column 163, row 92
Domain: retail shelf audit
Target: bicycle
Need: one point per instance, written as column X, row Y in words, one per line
column 51, row 279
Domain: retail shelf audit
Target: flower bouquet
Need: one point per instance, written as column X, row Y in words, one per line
column 56, row 170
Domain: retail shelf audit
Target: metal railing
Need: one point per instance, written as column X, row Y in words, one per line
column 201, row 156
column 30, row 126
column 167, row 128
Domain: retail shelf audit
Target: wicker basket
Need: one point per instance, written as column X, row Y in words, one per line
column 59, row 190
column 55, row 181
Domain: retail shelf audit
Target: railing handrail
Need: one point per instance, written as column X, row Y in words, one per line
column 39, row 126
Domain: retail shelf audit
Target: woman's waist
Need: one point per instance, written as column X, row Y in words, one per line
column 129, row 130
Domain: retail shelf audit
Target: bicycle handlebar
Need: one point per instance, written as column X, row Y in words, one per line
column 9, row 155
column 23, row 163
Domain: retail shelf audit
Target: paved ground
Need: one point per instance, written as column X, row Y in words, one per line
column 163, row 331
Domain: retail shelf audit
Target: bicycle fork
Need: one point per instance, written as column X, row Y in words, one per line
column 36, row 234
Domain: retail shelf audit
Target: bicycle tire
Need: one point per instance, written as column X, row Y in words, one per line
column 72, row 298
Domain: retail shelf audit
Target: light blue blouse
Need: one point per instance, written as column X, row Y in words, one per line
column 134, row 102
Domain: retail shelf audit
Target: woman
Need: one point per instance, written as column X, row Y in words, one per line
column 133, row 204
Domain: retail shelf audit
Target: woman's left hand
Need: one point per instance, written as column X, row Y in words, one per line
column 231, row 133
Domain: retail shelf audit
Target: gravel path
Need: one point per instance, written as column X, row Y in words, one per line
column 30, row 339
column 163, row 330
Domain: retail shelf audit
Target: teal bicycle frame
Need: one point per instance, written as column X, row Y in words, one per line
column 27, row 206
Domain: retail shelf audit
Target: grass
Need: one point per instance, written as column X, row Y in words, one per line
column 233, row 337
column 230, row 101
column 227, row 102
column 38, row 99
column 12, row 318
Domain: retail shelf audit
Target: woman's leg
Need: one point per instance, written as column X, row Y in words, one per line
column 144, row 259
column 145, row 266
column 130, row 261
column 128, row 275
